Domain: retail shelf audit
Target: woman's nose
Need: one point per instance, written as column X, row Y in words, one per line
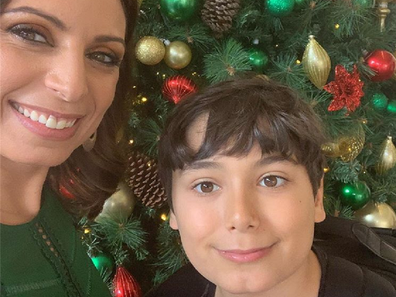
column 67, row 76
column 242, row 212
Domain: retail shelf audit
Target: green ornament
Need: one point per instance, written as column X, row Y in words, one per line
column 280, row 8
column 299, row 4
column 363, row 3
column 258, row 59
column 392, row 107
column 379, row 101
column 355, row 195
column 179, row 10
column 103, row 262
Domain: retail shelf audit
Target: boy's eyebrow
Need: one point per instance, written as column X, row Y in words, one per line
column 201, row 165
column 275, row 158
column 266, row 160
column 53, row 19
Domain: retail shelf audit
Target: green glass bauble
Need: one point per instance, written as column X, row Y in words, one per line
column 258, row 59
column 355, row 195
column 103, row 262
column 363, row 3
column 179, row 10
column 391, row 106
column 299, row 4
column 280, row 8
column 379, row 101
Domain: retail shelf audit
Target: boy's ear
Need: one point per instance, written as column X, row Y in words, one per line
column 173, row 221
column 320, row 214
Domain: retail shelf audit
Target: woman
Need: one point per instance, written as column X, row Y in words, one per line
column 61, row 65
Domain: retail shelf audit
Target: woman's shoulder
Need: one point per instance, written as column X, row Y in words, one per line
column 342, row 278
column 184, row 282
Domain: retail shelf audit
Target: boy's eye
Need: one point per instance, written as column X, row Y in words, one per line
column 206, row 187
column 28, row 33
column 272, row 181
column 105, row 58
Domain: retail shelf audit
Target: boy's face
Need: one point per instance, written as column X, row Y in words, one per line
column 246, row 223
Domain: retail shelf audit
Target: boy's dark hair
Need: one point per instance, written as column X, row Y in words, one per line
column 242, row 113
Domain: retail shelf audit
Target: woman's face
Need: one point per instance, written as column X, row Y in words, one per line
column 59, row 66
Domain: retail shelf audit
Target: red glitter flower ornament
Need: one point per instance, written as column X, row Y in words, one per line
column 346, row 88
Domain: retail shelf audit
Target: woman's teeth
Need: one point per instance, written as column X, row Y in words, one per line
column 49, row 121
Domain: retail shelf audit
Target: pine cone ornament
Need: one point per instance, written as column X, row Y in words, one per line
column 142, row 178
column 218, row 14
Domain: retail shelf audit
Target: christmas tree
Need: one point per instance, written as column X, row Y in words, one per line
column 339, row 55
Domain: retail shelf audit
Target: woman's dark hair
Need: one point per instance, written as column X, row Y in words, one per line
column 240, row 114
column 91, row 177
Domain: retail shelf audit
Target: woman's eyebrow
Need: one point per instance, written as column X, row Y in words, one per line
column 26, row 9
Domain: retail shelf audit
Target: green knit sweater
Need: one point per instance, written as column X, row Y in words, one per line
column 45, row 257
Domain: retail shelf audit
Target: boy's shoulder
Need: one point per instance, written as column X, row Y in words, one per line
column 342, row 278
column 186, row 282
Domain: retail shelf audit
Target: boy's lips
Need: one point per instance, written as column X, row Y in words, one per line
column 244, row 256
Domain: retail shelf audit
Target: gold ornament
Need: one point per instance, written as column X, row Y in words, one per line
column 387, row 159
column 178, row 55
column 331, row 149
column 150, row 50
column 316, row 63
column 351, row 145
column 383, row 12
column 347, row 147
column 118, row 206
column 380, row 215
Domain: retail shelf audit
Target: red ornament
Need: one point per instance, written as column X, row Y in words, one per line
column 383, row 63
column 346, row 88
column 177, row 87
column 125, row 285
column 65, row 192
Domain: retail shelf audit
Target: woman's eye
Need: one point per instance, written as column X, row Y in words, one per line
column 272, row 181
column 206, row 187
column 28, row 33
column 105, row 58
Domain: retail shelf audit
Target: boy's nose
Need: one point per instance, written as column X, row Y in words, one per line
column 242, row 212
column 67, row 76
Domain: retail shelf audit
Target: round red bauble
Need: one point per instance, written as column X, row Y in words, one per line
column 383, row 63
column 177, row 87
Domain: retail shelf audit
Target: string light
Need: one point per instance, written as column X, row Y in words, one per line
column 298, row 61
column 164, row 217
column 144, row 99
column 131, row 141
column 337, row 26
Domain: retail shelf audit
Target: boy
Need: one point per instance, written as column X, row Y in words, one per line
column 242, row 165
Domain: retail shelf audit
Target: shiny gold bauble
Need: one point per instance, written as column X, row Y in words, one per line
column 150, row 50
column 118, row 206
column 178, row 55
column 331, row 149
column 316, row 63
column 351, row 145
column 387, row 159
column 380, row 215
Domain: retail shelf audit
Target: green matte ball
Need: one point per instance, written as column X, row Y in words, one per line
column 258, row 59
column 103, row 262
column 392, row 107
column 179, row 10
column 379, row 101
column 280, row 8
column 355, row 195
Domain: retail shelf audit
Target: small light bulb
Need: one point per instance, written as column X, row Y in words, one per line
column 298, row 61
column 337, row 26
column 164, row 217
